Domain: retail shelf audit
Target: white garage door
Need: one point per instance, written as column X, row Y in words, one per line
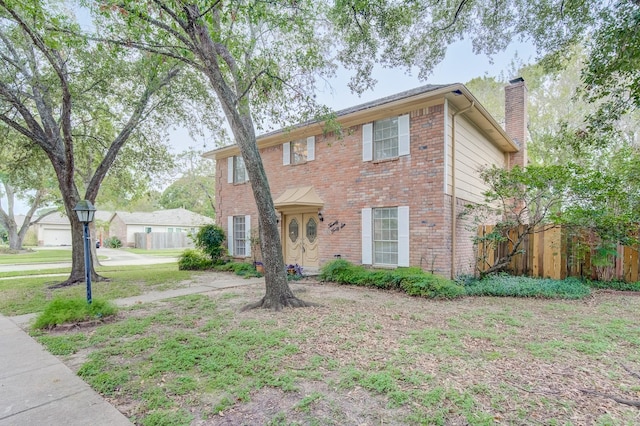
column 57, row 237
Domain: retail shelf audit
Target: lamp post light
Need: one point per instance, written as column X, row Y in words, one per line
column 85, row 211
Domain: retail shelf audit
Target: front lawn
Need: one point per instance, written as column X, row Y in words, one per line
column 22, row 295
column 366, row 357
column 36, row 256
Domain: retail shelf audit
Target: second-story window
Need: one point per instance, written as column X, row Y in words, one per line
column 239, row 170
column 299, row 151
column 385, row 138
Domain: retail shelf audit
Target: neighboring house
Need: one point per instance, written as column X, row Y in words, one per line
column 55, row 228
column 383, row 193
column 125, row 225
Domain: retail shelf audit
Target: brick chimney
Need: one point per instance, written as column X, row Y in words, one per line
column 515, row 117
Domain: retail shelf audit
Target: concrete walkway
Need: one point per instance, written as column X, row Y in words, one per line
column 36, row 388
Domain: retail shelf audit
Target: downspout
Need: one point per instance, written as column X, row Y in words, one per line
column 454, row 213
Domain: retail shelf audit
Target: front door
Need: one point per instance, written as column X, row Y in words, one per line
column 301, row 241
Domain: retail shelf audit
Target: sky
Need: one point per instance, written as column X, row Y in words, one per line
column 459, row 66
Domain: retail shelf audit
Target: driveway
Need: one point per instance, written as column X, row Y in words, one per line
column 115, row 257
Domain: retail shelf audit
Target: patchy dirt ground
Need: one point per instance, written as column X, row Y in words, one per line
column 386, row 358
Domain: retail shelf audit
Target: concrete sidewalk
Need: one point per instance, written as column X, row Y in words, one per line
column 36, row 388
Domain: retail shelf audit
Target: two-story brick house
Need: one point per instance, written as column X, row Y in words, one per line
column 382, row 193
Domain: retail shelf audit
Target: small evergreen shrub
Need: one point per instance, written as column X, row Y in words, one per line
column 614, row 285
column 515, row 286
column 414, row 281
column 64, row 311
column 246, row 270
column 209, row 239
column 113, row 242
column 194, row 260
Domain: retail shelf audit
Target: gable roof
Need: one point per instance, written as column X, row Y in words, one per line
column 172, row 217
column 60, row 218
column 458, row 96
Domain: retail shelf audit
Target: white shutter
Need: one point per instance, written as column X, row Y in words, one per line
column 367, row 240
column 311, row 148
column 403, row 236
column 230, row 170
column 403, row 135
column 367, row 142
column 247, row 228
column 286, row 153
column 230, row 234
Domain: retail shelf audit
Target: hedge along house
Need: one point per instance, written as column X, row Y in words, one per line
column 382, row 194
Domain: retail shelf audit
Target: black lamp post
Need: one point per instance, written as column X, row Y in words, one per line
column 86, row 211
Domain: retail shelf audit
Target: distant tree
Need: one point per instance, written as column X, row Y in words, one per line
column 195, row 186
column 25, row 175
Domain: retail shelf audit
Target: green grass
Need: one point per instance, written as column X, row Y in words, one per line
column 517, row 286
column 65, row 311
column 190, row 349
column 469, row 361
column 26, row 295
column 36, row 256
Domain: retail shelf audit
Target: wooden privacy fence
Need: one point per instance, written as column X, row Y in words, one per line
column 554, row 252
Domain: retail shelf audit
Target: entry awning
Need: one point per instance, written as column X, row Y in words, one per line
column 301, row 197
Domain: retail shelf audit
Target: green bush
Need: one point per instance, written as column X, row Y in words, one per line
column 506, row 285
column 194, row 260
column 414, row 281
column 209, row 239
column 243, row 269
column 63, row 311
column 615, row 285
column 112, row 242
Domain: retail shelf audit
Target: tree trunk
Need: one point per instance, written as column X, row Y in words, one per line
column 238, row 114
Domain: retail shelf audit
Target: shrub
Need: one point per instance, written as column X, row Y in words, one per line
column 506, row 285
column 113, row 242
column 615, row 285
column 194, row 260
column 209, row 239
column 62, row 311
column 414, row 281
column 432, row 286
column 246, row 270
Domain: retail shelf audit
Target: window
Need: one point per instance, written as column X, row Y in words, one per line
column 147, row 229
column 238, row 228
column 239, row 236
column 237, row 172
column 384, row 139
column 171, row 229
column 385, row 236
column 299, row 152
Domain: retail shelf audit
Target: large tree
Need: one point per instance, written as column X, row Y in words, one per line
column 25, row 175
column 262, row 59
column 51, row 82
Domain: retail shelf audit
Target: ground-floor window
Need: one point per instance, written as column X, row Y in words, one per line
column 239, row 236
column 385, row 236
column 238, row 232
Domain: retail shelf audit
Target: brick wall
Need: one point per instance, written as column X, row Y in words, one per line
column 346, row 185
